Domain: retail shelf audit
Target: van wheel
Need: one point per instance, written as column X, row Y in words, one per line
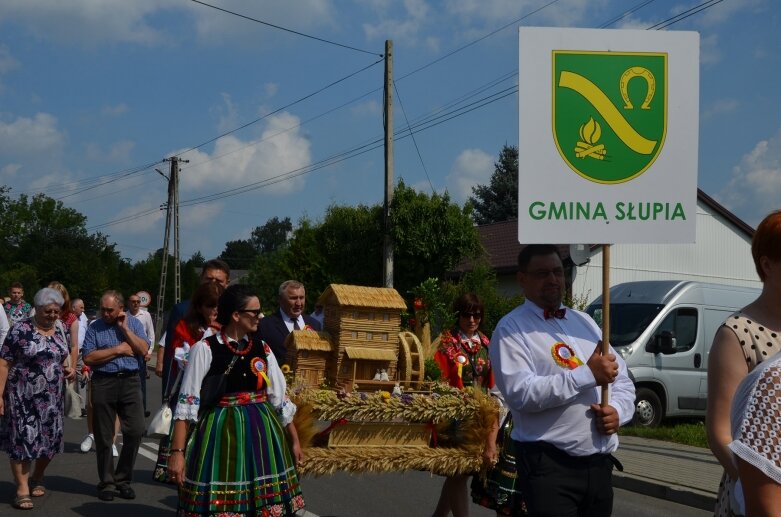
column 648, row 408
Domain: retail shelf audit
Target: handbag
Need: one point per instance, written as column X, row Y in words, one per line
column 160, row 425
column 213, row 388
column 72, row 401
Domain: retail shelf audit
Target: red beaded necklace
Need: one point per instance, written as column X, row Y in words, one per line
column 234, row 349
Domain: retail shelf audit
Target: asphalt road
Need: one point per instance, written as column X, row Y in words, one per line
column 72, row 476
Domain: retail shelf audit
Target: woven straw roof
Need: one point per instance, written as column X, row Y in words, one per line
column 308, row 340
column 374, row 354
column 360, row 296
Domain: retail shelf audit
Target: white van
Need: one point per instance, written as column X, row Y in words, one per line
column 664, row 329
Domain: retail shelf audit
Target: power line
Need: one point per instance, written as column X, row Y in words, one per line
column 459, row 49
column 420, row 157
column 322, row 40
column 281, row 108
column 632, row 10
column 685, row 14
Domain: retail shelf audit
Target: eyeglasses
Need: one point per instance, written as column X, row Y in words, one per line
column 470, row 315
column 254, row 312
column 542, row 274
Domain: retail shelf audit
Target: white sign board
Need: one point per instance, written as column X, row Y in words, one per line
column 608, row 136
column 145, row 298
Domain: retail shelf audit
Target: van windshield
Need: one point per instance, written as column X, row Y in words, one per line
column 627, row 320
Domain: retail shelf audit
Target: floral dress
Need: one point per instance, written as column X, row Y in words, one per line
column 33, row 392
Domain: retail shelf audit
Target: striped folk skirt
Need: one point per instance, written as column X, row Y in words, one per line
column 238, row 462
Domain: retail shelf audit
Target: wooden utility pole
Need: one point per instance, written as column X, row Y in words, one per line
column 171, row 214
column 387, row 245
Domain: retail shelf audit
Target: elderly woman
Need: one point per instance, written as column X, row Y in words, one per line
column 31, row 385
column 256, row 474
column 745, row 340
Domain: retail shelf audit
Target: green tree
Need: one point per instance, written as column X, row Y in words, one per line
column 239, row 254
column 272, row 235
column 431, row 236
column 350, row 239
column 498, row 201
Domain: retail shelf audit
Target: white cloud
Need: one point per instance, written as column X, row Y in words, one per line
column 227, row 113
column 270, row 89
column 404, row 28
column 472, row 167
column 116, row 152
column 30, row 136
column 755, row 187
column 369, row 108
column 7, row 63
column 89, row 22
column 710, row 53
column 721, row 107
column 502, row 11
column 235, row 162
column 115, row 111
column 10, row 170
column 139, row 225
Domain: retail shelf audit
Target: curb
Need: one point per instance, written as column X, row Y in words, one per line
column 675, row 493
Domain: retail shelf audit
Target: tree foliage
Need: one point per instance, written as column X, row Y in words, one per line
column 498, row 201
column 272, row 235
column 239, row 254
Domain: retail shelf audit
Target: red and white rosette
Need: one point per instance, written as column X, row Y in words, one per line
column 258, row 367
column 565, row 356
column 461, row 360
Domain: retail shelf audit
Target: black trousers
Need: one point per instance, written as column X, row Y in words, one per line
column 112, row 397
column 556, row 484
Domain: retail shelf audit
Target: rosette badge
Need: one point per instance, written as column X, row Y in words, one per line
column 565, row 356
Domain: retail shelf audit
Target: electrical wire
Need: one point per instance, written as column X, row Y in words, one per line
column 281, row 108
column 420, row 157
column 322, row 40
column 685, row 14
column 632, row 10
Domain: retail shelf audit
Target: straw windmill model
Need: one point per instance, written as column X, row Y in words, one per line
column 363, row 327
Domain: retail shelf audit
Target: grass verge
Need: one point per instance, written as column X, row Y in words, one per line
column 685, row 432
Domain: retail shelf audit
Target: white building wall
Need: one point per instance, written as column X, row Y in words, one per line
column 722, row 255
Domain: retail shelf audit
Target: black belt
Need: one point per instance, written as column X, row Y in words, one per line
column 119, row 375
column 552, row 449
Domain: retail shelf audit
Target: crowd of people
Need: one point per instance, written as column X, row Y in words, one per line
column 548, row 453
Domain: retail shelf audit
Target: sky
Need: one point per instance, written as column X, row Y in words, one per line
column 95, row 94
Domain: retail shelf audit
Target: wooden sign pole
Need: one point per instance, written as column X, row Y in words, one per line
column 605, row 313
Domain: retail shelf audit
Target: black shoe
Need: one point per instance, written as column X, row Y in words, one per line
column 83, row 413
column 147, row 414
column 106, row 495
column 126, row 492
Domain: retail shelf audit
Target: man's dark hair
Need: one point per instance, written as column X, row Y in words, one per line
column 16, row 285
column 535, row 250
column 217, row 264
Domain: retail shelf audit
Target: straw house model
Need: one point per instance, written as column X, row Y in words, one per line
column 308, row 355
column 364, row 324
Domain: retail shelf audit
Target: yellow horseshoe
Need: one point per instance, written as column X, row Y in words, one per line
column 631, row 73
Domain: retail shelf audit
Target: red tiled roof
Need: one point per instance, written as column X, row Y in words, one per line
column 500, row 242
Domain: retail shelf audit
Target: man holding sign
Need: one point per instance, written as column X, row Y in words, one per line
column 547, row 364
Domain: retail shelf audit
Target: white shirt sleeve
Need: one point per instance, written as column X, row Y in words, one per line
column 189, row 401
column 277, row 392
column 4, row 326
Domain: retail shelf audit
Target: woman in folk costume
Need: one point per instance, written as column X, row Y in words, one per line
column 462, row 357
column 241, row 456
column 198, row 323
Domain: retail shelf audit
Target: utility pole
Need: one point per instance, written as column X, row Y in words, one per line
column 387, row 244
column 171, row 213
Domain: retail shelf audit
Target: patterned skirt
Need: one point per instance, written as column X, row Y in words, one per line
column 238, row 462
column 500, row 489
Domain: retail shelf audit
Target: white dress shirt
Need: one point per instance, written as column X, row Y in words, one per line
column 550, row 402
column 289, row 321
column 149, row 327
column 83, row 324
column 4, row 326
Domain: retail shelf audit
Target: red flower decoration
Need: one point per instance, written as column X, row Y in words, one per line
column 418, row 304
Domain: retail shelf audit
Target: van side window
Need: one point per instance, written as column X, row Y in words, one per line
column 683, row 324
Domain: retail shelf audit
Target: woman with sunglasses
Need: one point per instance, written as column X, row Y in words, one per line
column 462, row 357
column 241, row 456
column 199, row 322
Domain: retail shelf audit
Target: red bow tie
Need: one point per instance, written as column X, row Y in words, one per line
column 556, row 313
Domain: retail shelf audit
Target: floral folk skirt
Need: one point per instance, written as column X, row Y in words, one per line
column 238, row 462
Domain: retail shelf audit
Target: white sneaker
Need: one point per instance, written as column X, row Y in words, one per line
column 114, row 450
column 87, row 443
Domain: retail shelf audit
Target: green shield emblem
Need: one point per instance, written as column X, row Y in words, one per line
column 609, row 112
